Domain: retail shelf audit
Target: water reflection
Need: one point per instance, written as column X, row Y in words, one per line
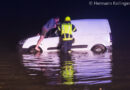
column 70, row 69
column 67, row 69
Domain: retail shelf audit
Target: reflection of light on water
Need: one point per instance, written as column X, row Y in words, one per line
column 91, row 71
column 87, row 68
column 67, row 72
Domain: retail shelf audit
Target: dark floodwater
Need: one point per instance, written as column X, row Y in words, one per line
column 54, row 71
column 76, row 68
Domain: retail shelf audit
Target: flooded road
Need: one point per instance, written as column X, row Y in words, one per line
column 55, row 71
column 75, row 68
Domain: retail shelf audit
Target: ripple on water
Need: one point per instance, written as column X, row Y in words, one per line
column 85, row 67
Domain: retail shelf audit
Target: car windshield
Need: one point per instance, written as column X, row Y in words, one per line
column 51, row 33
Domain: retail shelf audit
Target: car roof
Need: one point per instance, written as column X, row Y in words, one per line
column 92, row 26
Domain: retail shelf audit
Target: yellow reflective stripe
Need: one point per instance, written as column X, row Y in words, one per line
column 74, row 29
column 69, row 36
column 69, row 32
column 63, row 31
column 59, row 28
column 66, row 39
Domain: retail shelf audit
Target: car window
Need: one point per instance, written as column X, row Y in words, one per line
column 51, row 33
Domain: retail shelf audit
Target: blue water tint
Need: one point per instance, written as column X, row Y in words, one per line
column 75, row 68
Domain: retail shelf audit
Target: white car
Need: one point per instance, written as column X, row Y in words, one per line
column 92, row 34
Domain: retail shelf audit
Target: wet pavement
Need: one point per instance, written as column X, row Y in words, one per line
column 55, row 71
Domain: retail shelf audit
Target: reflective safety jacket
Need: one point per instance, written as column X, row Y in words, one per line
column 66, row 30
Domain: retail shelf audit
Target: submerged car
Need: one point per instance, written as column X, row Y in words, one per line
column 92, row 34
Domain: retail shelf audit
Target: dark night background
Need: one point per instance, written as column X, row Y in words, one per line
column 21, row 19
